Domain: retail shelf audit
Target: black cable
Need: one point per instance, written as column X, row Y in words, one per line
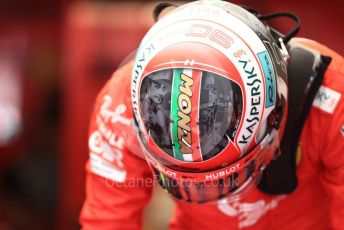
column 286, row 38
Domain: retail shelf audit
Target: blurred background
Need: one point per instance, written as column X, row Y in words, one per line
column 54, row 57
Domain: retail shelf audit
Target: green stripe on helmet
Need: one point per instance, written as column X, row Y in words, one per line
column 177, row 81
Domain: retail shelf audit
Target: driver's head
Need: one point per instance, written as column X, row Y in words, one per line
column 222, row 77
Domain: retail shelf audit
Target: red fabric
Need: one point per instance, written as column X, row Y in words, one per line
column 117, row 203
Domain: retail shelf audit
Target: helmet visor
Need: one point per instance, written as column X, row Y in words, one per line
column 190, row 115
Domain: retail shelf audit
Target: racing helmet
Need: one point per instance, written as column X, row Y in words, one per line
column 209, row 96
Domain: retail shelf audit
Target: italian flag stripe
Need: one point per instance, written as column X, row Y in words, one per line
column 185, row 91
column 177, row 81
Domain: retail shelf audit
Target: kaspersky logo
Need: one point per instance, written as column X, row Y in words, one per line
column 254, row 85
column 181, row 108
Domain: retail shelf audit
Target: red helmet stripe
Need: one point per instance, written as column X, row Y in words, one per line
column 195, row 100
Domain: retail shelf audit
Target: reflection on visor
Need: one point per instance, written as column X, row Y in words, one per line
column 220, row 112
column 191, row 115
column 155, row 107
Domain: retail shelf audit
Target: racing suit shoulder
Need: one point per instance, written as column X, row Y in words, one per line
column 323, row 133
column 119, row 182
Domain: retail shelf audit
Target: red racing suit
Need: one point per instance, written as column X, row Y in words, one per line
column 119, row 181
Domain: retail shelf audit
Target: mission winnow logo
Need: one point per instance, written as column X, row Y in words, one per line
column 185, row 84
